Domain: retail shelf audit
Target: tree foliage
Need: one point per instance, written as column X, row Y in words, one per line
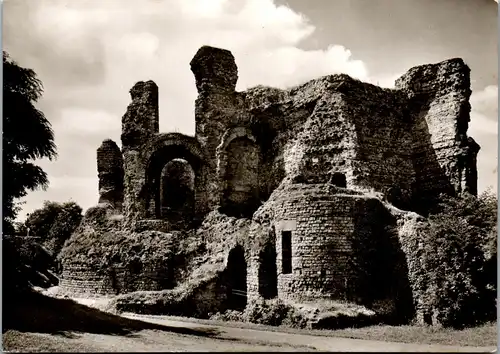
column 452, row 261
column 54, row 223
column 27, row 135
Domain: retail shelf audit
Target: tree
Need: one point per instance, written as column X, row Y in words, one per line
column 456, row 278
column 41, row 220
column 54, row 223
column 27, row 135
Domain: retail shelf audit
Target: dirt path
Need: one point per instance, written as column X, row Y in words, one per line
column 230, row 339
column 213, row 337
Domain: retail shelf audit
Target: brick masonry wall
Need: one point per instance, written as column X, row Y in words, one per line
column 110, row 173
column 384, row 141
column 412, row 138
column 139, row 124
column 81, row 280
column 439, row 106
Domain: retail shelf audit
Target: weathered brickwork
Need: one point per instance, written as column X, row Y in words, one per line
column 314, row 160
column 323, row 229
column 412, row 138
column 87, row 281
column 110, row 173
column 438, row 97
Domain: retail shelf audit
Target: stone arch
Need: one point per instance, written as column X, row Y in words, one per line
column 165, row 149
column 238, row 161
column 236, row 275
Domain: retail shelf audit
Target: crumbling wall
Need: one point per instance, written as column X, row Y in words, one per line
column 299, row 160
column 139, row 124
column 145, row 154
column 160, row 151
column 216, row 74
column 383, row 144
column 444, row 157
column 375, row 139
column 241, row 187
column 110, row 173
column 81, row 280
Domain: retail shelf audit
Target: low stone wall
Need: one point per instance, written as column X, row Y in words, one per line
column 80, row 280
column 85, row 281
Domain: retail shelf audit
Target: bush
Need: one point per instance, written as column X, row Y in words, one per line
column 273, row 313
column 450, row 261
column 25, row 263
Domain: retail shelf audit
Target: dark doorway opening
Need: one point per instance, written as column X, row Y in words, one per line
column 177, row 194
column 339, row 180
column 286, row 252
column 237, row 279
column 268, row 277
column 170, row 190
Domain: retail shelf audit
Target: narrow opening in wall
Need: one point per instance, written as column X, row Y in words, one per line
column 236, row 273
column 286, row 252
column 268, row 285
column 338, row 179
column 176, row 192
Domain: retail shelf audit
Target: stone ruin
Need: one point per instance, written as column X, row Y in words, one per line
column 323, row 165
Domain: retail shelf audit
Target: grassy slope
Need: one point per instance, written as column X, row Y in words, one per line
column 37, row 313
column 485, row 335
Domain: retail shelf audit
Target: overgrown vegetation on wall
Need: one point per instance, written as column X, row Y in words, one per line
column 452, row 261
column 100, row 245
column 272, row 312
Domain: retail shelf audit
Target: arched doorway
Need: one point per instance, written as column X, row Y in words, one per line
column 268, row 277
column 236, row 273
column 173, row 178
column 177, row 190
column 241, row 195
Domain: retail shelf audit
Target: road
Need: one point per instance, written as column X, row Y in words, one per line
column 238, row 339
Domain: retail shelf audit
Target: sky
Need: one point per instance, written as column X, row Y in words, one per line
column 89, row 53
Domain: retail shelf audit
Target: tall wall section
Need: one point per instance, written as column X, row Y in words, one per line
column 444, row 156
column 139, row 125
column 375, row 139
column 383, row 145
column 110, row 174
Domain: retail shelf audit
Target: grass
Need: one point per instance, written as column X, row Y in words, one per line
column 485, row 335
column 33, row 342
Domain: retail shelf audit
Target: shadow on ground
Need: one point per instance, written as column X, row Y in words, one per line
column 30, row 311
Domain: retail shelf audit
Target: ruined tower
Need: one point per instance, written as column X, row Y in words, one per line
column 316, row 170
column 139, row 124
column 110, row 174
